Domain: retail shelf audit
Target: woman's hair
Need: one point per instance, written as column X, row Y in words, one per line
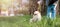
column 52, row 1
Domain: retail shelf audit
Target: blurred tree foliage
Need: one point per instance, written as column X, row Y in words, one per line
column 59, row 6
column 33, row 6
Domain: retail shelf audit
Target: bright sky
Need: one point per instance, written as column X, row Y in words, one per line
column 5, row 3
column 25, row 1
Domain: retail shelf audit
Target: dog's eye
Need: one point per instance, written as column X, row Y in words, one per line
column 35, row 14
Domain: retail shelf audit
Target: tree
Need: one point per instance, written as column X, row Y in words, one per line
column 33, row 6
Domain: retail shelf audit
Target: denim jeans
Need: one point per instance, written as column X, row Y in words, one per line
column 51, row 11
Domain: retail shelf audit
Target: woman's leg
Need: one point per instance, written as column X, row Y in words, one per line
column 53, row 12
column 48, row 11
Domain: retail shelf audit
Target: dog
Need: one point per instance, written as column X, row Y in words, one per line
column 36, row 17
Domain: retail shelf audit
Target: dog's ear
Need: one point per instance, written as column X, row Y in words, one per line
column 33, row 15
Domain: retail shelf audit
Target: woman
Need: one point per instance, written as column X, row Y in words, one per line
column 51, row 8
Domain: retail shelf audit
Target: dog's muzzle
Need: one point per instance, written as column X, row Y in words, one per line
column 35, row 14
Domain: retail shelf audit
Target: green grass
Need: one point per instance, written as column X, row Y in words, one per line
column 23, row 21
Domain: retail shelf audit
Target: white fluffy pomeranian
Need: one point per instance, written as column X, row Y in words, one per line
column 36, row 17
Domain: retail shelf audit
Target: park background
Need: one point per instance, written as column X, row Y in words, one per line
column 16, row 13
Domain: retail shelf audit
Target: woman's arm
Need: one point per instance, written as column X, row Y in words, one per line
column 56, row 3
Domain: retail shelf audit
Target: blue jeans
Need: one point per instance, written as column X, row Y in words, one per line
column 50, row 9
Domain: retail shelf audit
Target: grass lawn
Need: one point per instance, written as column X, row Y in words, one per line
column 23, row 21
